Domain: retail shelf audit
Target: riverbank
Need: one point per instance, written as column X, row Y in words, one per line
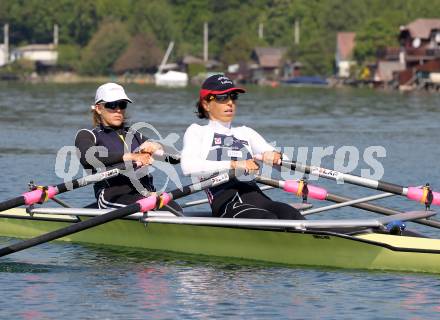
column 71, row 77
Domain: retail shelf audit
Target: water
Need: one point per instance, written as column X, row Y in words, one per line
column 60, row 280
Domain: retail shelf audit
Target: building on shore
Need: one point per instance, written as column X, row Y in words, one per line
column 41, row 54
column 414, row 63
column 267, row 64
column 345, row 44
column 420, row 53
column 44, row 56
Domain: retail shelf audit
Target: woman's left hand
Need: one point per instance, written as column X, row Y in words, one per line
column 271, row 157
column 150, row 147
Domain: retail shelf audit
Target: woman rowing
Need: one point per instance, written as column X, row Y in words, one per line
column 111, row 142
column 219, row 146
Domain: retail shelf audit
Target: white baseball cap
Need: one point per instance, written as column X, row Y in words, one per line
column 110, row 92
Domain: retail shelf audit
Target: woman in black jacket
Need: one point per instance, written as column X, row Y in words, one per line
column 111, row 142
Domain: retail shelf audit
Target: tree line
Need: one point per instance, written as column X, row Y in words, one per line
column 106, row 36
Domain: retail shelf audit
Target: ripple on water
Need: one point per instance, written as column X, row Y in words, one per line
column 63, row 280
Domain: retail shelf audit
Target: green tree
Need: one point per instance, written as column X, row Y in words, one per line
column 376, row 34
column 69, row 56
column 142, row 54
column 157, row 18
column 238, row 49
column 189, row 18
column 104, row 48
column 376, row 23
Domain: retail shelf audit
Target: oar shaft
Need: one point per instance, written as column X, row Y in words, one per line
column 364, row 206
column 77, row 227
column 412, row 193
column 348, row 203
column 12, row 203
column 345, row 177
column 291, row 187
column 203, row 201
column 207, row 183
column 379, row 209
column 84, row 181
column 45, row 193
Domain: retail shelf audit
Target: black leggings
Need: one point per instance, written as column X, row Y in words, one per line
column 255, row 205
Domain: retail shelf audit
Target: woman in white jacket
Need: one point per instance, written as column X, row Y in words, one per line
column 219, row 146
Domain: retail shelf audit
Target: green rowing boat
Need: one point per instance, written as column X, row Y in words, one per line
column 298, row 243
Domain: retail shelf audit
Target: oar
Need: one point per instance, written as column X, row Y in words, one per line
column 143, row 205
column 381, row 210
column 318, row 193
column 305, row 190
column 42, row 194
column 424, row 195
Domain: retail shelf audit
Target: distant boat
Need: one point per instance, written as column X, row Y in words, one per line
column 171, row 79
column 306, row 80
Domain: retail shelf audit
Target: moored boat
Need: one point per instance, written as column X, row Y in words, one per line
column 171, row 79
column 359, row 244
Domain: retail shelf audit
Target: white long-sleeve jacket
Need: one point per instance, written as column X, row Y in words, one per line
column 210, row 148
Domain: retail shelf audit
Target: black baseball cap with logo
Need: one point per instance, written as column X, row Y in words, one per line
column 218, row 84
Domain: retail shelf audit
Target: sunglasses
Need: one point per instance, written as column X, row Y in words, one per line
column 121, row 104
column 223, row 97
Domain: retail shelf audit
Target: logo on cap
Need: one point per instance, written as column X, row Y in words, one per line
column 224, row 80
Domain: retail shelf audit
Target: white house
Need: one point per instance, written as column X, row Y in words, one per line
column 46, row 54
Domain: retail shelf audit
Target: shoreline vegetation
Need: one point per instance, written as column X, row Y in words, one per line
column 71, row 77
column 68, row 77
column 115, row 37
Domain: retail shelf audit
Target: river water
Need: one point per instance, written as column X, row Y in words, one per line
column 59, row 280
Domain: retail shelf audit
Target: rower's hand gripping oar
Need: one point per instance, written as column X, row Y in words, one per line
column 424, row 195
column 143, row 205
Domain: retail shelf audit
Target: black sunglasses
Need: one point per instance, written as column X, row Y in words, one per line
column 223, row 97
column 121, row 104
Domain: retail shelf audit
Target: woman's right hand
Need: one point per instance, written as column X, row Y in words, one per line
column 247, row 165
column 141, row 159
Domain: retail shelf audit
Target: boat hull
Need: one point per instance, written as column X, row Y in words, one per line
column 326, row 249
